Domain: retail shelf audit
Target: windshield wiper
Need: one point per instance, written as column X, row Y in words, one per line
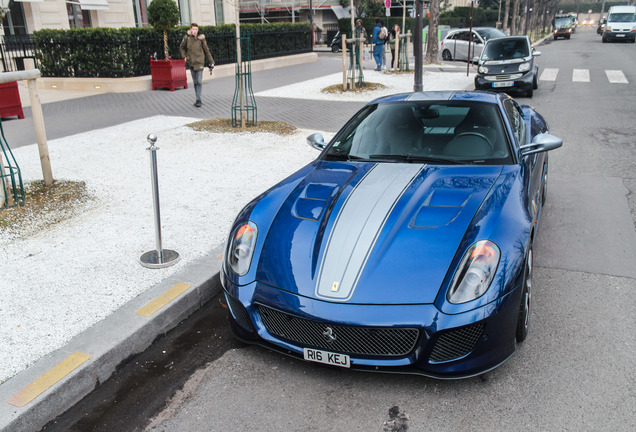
column 418, row 158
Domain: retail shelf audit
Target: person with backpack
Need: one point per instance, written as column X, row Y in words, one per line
column 379, row 37
column 195, row 51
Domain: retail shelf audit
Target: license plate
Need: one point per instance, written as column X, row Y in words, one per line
column 326, row 357
column 503, row 84
column 620, row 35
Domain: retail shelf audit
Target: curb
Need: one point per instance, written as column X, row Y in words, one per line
column 106, row 345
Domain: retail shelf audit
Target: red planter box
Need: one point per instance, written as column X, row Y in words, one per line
column 10, row 103
column 168, row 74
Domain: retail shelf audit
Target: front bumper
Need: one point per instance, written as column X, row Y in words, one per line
column 505, row 82
column 446, row 346
column 615, row 36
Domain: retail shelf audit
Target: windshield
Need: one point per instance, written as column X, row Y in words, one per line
column 444, row 132
column 506, row 49
column 622, row 17
column 490, row 33
column 562, row 22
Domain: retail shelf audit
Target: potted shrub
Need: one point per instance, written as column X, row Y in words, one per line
column 166, row 73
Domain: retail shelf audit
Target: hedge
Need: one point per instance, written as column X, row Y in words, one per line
column 125, row 52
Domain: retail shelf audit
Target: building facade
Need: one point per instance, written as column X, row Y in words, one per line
column 22, row 17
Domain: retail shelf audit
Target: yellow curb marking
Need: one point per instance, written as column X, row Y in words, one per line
column 48, row 379
column 163, row 299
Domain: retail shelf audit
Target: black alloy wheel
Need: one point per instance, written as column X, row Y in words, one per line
column 523, row 320
column 446, row 55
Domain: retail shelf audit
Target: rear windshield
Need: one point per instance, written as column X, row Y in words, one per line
column 506, row 49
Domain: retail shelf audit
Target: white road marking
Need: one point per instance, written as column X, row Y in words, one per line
column 616, row 77
column 549, row 74
column 581, row 75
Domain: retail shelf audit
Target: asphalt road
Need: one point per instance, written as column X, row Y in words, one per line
column 575, row 372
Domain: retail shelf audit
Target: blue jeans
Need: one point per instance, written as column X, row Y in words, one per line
column 197, row 79
column 377, row 54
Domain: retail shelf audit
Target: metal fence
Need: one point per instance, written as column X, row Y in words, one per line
column 65, row 56
column 15, row 50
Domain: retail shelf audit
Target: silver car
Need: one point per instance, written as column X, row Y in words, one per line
column 455, row 44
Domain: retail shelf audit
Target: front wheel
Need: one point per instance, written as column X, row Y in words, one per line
column 335, row 48
column 529, row 93
column 446, row 55
column 535, row 83
column 604, row 40
column 523, row 320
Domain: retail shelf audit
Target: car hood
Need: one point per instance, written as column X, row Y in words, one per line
column 367, row 233
column 496, row 67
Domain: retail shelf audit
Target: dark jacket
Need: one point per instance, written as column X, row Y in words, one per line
column 195, row 50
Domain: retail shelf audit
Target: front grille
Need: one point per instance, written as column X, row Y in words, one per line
column 456, row 343
column 506, row 77
column 239, row 312
column 353, row 340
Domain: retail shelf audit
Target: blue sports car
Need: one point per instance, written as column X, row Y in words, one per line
column 406, row 246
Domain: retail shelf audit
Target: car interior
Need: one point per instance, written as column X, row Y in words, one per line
column 468, row 132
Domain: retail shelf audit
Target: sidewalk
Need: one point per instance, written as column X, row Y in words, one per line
column 80, row 255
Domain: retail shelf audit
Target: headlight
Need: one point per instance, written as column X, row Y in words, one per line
column 241, row 250
column 483, row 69
column 524, row 67
column 475, row 272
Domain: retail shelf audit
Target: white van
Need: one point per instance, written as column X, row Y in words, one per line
column 621, row 24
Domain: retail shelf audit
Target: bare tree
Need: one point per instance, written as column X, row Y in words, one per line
column 432, row 49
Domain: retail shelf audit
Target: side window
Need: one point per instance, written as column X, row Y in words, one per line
column 463, row 36
column 516, row 120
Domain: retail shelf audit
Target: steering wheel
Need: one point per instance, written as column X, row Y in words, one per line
column 481, row 139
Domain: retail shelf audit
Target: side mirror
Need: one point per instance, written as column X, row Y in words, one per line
column 536, row 53
column 540, row 143
column 476, row 60
column 317, row 141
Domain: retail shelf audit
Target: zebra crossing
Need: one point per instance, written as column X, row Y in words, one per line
column 583, row 75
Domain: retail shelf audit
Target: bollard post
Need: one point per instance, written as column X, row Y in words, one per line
column 160, row 257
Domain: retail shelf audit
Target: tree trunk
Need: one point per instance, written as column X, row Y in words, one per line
column 505, row 20
column 514, row 25
column 165, row 44
column 432, row 47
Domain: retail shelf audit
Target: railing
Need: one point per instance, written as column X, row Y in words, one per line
column 14, row 50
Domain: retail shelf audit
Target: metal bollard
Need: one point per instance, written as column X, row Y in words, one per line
column 160, row 257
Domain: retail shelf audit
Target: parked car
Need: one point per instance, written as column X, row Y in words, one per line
column 455, row 44
column 406, row 246
column 508, row 64
column 621, row 24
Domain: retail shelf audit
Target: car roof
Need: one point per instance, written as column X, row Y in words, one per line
column 477, row 96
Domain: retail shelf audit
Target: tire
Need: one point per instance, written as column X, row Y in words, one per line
column 555, row 37
column 529, row 93
column 603, row 39
column 523, row 319
column 335, row 48
column 446, row 55
column 535, row 83
column 567, row 37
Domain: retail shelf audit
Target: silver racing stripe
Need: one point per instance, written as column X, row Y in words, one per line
column 358, row 225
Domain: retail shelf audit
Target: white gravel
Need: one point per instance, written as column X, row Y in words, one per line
column 57, row 282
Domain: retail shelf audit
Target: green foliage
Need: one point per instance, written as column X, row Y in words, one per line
column 125, row 52
column 163, row 14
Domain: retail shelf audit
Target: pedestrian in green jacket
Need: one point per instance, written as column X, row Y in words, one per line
column 195, row 51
